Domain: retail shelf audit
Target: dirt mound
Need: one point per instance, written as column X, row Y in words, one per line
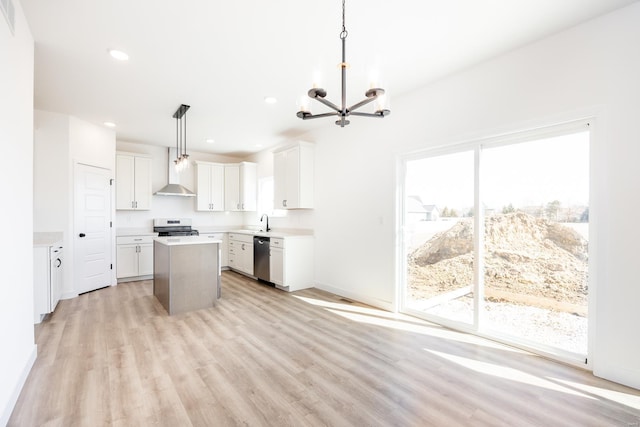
column 524, row 256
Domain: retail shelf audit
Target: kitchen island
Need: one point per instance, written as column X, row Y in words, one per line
column 186, row 273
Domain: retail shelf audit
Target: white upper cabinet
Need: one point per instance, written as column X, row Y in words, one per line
column 240, row 186
column 210, row 187
column 133, row 182
column 293, row 170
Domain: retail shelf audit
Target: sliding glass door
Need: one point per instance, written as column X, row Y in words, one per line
column 439, row 232
column 529, row 197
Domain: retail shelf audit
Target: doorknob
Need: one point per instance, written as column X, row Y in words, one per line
column 81, row 234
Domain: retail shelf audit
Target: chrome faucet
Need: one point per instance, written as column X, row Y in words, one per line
column 265, row 215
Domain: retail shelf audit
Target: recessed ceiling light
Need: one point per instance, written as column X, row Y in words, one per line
column 109, row 124
column 118, row 54
column 270, row 99
column 210, row 141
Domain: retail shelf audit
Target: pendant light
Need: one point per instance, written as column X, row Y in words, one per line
column 343, row 111
column 182, row 158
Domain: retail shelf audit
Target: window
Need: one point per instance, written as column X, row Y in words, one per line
column 265, row 198
column 496, row 238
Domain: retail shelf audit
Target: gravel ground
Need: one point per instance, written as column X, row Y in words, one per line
column 557, row 329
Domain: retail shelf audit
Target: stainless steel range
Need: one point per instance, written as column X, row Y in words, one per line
column 173, row 227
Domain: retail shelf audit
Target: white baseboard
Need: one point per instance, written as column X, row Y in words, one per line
column 621, row 375
column 69, row 295
column 365, row 299
column 6, row 412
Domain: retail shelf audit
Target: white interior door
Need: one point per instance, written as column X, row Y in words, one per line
column 92, row 228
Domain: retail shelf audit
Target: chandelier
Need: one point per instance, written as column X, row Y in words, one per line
column 343, row 112
column 182, row 158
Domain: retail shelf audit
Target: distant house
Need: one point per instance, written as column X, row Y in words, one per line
column 433, row 214
column 418, row 211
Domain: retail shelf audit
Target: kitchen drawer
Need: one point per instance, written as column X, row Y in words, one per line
column 133, row 240
column 277, row 242
column 245, row 238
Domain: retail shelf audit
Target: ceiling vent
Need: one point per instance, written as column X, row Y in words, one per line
column 9, row 13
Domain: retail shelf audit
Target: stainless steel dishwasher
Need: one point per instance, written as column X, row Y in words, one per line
column 261, row 258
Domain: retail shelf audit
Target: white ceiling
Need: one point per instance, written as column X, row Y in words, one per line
column 223, row 58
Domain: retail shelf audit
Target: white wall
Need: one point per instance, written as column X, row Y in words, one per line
column 50, row 154
column 16, row 261
column 590, row 69
column 61, row 141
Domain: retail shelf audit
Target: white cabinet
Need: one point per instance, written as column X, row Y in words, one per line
column 134, row 256
column 241, row 253
column 240, row 186
column 291, row 262
column 293, row 175
column 48, row 279
column 276, row 261
column 224, row 251
column 133, row 182
column 210, row 187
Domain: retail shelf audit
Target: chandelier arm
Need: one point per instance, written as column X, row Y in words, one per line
column 317, row 116
column 362, row 103
column 376, row 114
column 328, row 104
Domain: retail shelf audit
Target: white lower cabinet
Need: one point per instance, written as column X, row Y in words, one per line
column 240, row 253
column 276, row 261
column 134, row 256
column 291, row 262
column 224, row 251
column 48, row 279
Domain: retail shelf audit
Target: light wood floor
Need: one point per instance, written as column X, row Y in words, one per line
column 263, row 357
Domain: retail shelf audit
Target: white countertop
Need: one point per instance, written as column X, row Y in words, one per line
column 186, row 240
column 281, row 233
column 47, row 238
column 275, row 233
column 135, row 232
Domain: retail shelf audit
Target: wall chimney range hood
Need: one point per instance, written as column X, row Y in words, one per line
column 173, row 188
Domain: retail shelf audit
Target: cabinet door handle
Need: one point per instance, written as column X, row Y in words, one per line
column 81, row 235
column 59, row 262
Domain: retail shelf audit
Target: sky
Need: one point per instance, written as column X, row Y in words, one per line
column 531, row 173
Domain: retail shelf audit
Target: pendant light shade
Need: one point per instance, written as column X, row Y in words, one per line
column 182, row 158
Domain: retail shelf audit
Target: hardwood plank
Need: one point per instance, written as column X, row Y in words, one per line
column 263, row 357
